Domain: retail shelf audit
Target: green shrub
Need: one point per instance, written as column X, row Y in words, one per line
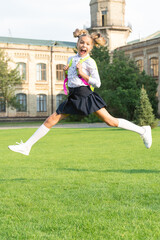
column 144, row 111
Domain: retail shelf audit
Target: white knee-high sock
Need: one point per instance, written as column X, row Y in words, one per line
column 130, row 126
column 41, row 132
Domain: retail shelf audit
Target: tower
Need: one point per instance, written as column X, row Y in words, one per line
column 108, row 18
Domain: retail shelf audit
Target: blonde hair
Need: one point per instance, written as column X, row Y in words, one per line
column 97, row 38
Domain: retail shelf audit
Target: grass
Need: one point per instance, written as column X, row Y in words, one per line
column 80, row 184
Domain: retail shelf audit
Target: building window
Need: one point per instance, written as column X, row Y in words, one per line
column 59, row 72
column 2, row 104
column 59, row 99
column 41, row 72
column 154, row 67
column 41, row 103
column 140, row 65
column 22, row 102
column 22, row 70
column 104, row 18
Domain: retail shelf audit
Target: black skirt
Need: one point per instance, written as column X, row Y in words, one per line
column 81, row 101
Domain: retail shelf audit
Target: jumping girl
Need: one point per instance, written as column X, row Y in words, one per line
column 82, row 73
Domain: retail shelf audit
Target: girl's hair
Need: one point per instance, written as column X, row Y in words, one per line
column 97, row 38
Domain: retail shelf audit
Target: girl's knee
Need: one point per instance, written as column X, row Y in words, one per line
column 112, row 122
column 52, row 119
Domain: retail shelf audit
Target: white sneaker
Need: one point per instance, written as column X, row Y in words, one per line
column 20, row 148
column 147, row 136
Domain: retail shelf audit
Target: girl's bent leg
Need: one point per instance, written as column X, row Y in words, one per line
column 54, row 119
column 145, row 131
column 25, row 148
column 104, row 115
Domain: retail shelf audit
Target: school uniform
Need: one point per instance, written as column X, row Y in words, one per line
column 81, row 99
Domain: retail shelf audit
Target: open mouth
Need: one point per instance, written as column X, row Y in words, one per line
column 83, row 51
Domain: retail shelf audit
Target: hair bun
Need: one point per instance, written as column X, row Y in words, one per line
column 98, row 39
column 78, row 32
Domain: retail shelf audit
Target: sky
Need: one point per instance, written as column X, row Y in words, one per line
column 57, row 19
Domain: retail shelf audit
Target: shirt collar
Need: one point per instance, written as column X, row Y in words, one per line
column 82, row 57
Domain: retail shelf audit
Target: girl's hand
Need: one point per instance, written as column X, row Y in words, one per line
column 81, row 73
column 79, row 68
column 65, row 68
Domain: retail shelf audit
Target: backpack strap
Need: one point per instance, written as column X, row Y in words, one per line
column 70, row 64
column 64, row 86
column 84, row 59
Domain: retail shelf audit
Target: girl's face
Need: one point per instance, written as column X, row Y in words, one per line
column 84, row 45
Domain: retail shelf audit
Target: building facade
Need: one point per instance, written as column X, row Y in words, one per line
column 146, row 52
column 40, row 64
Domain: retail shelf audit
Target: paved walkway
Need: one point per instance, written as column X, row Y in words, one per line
column 67, row 125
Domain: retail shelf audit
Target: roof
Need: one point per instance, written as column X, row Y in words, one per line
column 37, row 42
column 150, row 37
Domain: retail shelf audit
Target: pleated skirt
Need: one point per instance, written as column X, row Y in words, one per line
column 81, row 101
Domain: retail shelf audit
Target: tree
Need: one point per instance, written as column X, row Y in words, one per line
column 9, row 79
column 151, row 87
column 144, row 111
column 121, row 83
column 101, row 55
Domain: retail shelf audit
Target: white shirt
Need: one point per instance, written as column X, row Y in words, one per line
column 89, row 67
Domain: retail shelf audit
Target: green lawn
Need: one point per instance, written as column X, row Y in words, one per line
column 80, row 184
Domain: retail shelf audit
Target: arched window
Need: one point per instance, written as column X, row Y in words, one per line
column 59, row 72
column 59, row 99
column 2, row 104
column 154, row 67
column 140, row 64
column 22, row 70
column 41, row 72
column 22, row 102
column 41, row 103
